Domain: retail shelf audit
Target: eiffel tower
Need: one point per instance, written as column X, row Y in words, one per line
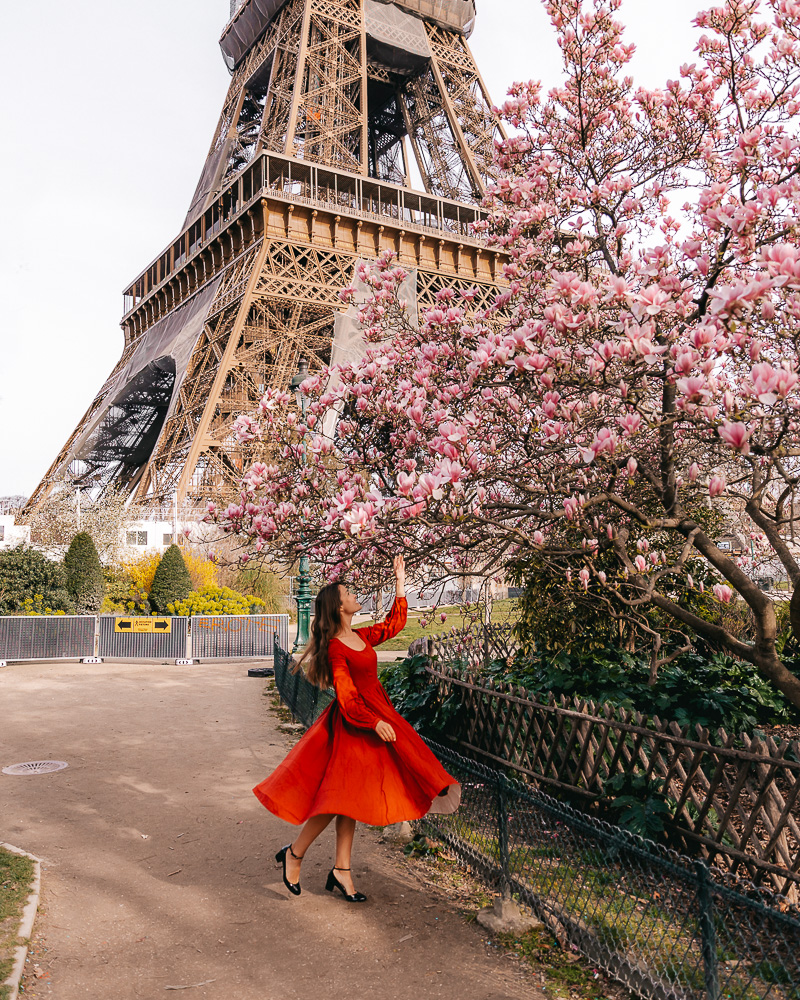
column 332, row 106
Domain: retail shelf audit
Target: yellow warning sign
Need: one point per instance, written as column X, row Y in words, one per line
column 163, row 625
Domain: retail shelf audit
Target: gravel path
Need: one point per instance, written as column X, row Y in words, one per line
column 158, row 861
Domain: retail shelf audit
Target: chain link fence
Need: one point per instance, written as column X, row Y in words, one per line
column 304, row 700
column 668, row 926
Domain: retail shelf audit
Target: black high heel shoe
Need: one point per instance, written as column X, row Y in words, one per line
column 334, row 883
column 280, row 857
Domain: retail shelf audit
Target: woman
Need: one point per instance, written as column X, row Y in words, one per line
column 360, row 761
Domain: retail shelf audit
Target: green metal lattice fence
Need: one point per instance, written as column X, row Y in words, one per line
column 666, row 925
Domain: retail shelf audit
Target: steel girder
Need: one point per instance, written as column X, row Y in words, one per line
column 310, row 91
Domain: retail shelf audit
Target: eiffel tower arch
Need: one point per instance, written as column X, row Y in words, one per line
column 332, row 106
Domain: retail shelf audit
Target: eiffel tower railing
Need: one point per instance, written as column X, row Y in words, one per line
column 297, row 181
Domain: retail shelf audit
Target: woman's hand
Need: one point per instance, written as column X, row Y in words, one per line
column 400, row 576
column 385, row 731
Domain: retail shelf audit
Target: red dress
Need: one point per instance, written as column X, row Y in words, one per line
column 342, row 766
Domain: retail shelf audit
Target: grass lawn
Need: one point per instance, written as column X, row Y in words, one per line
column 502, row 611
column 16, row 877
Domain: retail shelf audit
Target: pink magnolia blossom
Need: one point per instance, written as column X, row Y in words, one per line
column 643, row 331
column 717, row 486
column 736, row 435
column 722, row 592
column 245, row 428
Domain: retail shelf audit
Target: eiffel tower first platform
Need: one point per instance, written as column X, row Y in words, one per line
column 331, row 107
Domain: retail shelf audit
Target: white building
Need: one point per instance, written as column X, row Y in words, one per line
column 12, row 534
column 143, row 536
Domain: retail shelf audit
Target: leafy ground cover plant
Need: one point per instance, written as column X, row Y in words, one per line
column 415, row 695
column 712, row 691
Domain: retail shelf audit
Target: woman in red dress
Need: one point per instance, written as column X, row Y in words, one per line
column 360, row 761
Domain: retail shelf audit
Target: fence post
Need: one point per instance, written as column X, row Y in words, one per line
column 708, row 933
column 502, row 838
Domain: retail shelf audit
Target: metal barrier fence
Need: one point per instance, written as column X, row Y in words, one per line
column 52, row 637
column 304, row 700
column 666, row 925
column 170, row 644
column 232, row 636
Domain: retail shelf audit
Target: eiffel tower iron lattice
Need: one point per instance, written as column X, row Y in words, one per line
column 309, row 171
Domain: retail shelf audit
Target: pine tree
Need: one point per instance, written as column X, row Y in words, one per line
column 171, row 582
column 85, row 582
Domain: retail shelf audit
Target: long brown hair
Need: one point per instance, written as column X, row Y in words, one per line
column 327, row 622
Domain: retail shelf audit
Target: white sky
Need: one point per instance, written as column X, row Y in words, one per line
column 107, row 112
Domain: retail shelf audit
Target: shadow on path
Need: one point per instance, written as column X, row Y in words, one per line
column 158, row 860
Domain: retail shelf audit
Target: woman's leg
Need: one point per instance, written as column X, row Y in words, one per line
column 345, row 830
column 312, row 829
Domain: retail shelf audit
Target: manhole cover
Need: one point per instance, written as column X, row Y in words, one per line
column 36, row 767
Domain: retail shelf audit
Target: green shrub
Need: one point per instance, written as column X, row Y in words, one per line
column 710, row 690
column 213, row 600
column 638, row 804
column 84, row 574
column 171, row 582
column 26, row 574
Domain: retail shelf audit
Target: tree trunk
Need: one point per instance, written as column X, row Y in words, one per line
column 653, row 679
column 783, row 679
column 762, row 654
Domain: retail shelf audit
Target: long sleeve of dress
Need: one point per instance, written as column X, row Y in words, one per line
column 351, row 704
column 394, row 622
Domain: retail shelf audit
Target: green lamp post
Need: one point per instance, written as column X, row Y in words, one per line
column 303, row 597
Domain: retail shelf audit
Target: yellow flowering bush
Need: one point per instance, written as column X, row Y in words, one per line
column 215, row 600
column 141, row 571
column 35, row 606
column 132, row 603
column 202, row 572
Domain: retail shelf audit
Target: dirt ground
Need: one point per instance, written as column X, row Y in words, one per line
column 158, row 861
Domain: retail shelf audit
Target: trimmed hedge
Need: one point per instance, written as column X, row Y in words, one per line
column 84, row 574
column 171, row 582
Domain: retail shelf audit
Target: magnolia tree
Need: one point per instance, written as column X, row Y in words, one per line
column 634, row 384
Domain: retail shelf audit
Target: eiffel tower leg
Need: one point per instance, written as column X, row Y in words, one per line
column 449, row 119
column 467, row 100
column 301, row 181
column 327, row 123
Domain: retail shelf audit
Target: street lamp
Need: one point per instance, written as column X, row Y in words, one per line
column 303, row 597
